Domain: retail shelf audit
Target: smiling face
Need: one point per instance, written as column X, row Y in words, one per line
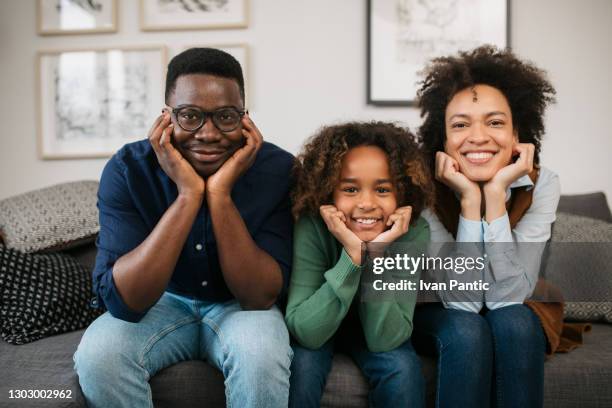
column 207, row 148
column 365, row 193
column 479, row 132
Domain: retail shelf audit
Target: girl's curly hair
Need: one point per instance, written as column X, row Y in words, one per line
column 317, row 168
column 525, row 86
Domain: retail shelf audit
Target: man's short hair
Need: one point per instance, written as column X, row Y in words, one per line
column 207, row 61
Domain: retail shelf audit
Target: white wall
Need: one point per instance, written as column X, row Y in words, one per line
column 307, row 68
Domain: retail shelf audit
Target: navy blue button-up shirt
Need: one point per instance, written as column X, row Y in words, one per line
column 135, row 192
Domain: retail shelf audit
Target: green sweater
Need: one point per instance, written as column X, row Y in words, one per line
column 324, row 282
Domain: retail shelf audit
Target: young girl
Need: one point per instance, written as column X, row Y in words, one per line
column 357, row 182
column 482, row 132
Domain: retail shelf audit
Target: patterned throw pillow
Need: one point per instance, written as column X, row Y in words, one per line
column 42, row 295
column 53, row 218
column 580, row 263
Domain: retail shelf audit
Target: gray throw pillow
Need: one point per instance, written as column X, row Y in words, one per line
column 580, row 264
column 53, row 218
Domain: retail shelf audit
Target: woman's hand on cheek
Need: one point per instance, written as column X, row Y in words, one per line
column 399, row 222
column 335, row 220
column 495, row 189
column 512, row 172
column 447, row 172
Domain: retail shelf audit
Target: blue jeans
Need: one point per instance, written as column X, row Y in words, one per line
column 116, row 359
column 495, row 358
column 394, row 376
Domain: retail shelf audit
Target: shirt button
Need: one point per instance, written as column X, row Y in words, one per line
column 204, row 283
column 199, row 247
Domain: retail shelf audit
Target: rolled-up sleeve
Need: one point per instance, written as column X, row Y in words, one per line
column 121, row 230
column 469, row 232
column 515, row 265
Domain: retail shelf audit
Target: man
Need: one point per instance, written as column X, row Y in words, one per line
column 194, row 247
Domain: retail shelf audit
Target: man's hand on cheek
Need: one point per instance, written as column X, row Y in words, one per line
column 187, row 181
column 222, row 181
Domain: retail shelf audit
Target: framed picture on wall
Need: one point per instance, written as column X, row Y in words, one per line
column 93, row 101
column 404, row 34
column 238, row 51
column 156, row 15
column 76, row 16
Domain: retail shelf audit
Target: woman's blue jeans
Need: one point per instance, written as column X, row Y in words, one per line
column 495, row 358
column 395, row 376
column 116, row 359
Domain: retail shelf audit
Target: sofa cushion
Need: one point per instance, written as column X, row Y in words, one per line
column 42, row 295
column 580, row 378
column 52, row 218
column 580, row 264
column 592, row 205
column 42, row 365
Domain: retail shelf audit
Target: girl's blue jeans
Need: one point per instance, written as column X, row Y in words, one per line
column 395, row 376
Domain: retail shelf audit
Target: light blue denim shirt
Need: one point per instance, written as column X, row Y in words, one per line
column 512, row 271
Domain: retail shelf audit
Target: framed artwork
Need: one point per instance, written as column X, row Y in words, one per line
column 403, row 35
column 93, row 101
column 76, row 16
column 157, row 15
column 238, row 51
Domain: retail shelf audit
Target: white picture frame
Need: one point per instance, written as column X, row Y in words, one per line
column 403, row 35
column 93, row 101
column 163, row 15
column 58, row 17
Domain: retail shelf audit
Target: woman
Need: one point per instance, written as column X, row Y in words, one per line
column 482, row 133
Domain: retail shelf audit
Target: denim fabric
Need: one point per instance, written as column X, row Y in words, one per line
column 395, row 376
column 495, row 358
column 116, row 359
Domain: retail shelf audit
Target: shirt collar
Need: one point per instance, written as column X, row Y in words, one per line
column 522, row 182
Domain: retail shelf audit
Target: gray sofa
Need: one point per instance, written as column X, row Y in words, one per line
column 582, row 378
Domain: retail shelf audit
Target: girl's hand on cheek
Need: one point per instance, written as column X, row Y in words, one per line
column 447, row 172
column 399, row 222
column 512, row 172
column 335, row 220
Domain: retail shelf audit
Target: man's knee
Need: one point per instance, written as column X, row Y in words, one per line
column 103, row 350
column 260, row 342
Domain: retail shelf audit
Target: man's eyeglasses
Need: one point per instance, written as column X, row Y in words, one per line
column 190, row 118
